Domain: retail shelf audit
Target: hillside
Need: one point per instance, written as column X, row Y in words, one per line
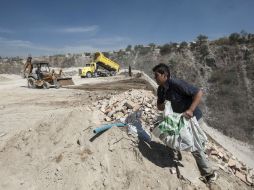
column 225, row 71
column 223, row 68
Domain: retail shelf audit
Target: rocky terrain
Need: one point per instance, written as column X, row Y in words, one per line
column 223, row 68
column 47, row 140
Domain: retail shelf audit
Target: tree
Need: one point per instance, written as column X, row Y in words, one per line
column 152, row 45
column 193, row 46
column 106, row 54
column 204, row 50
column 174, row 45
column 183, row 45
column 234, row 37
column 165, row 49
column 120, row 53
column 202, row 38
column 221, row 41
column 128, row 48
column 251, row 38
column 138, row 47
column 244, row 34
column 145, row 50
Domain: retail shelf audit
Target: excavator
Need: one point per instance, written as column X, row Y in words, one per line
column 110, row 68
column 41, row 76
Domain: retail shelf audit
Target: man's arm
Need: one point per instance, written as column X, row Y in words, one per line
column 196, row 100
column 161, row 98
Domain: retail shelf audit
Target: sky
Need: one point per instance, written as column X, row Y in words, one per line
column 48, row 27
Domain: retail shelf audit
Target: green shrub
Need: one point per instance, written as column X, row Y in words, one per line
column 183, row 45
column 204, row 50
column 165, row 49
column 128, row 48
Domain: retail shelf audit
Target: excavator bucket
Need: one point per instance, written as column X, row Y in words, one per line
column 65, row 81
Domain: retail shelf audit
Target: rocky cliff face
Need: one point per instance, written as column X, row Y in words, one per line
column 224, row 71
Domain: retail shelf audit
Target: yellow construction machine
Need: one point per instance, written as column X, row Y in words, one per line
column 42, row 76
column 109, row 67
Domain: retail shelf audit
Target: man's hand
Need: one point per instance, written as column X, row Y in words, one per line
column 188, row 114
column 151, row 129
column 197, row 98
column 161, row 107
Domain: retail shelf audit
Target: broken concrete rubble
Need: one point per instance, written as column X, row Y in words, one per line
column 231, row 163
column 242, row 177
column 130, row 104
column 225, row 158
column 131, row 101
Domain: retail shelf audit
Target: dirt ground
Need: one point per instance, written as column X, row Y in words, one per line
column 116, row 86
column 46, row 142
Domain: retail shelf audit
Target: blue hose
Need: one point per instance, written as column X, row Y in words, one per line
column 106, row 127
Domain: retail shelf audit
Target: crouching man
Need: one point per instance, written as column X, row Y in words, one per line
column 184, row 99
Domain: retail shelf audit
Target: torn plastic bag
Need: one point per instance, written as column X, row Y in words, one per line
column 179, row 133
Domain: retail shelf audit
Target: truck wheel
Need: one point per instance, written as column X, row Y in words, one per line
column 46, row 85
column 31, row 83
column 113, row 73
column 57, row 85
column 88, row 74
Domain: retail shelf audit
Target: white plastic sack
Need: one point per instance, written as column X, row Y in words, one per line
column 179, row 133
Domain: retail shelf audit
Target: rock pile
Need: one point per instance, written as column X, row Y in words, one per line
column 228, row 163
column 133, row 101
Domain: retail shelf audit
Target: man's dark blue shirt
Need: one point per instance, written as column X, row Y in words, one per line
column 180, row 94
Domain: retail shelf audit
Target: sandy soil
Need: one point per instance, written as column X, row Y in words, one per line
column 46, row 142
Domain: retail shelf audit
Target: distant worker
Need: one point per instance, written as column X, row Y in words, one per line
column 39, row 73
column 184, row 99
column 28, row 67
column 130, row 73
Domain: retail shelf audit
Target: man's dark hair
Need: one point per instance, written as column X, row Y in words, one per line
column 162, row 69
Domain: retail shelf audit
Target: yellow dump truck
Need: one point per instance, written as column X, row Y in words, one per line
column 109, row 67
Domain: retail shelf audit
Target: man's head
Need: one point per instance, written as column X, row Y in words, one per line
column 29, row 59
column 161, row 73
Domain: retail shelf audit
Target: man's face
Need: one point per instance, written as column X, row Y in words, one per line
column 160, row 78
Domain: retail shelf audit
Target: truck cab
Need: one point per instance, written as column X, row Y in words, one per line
column 89, row 70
